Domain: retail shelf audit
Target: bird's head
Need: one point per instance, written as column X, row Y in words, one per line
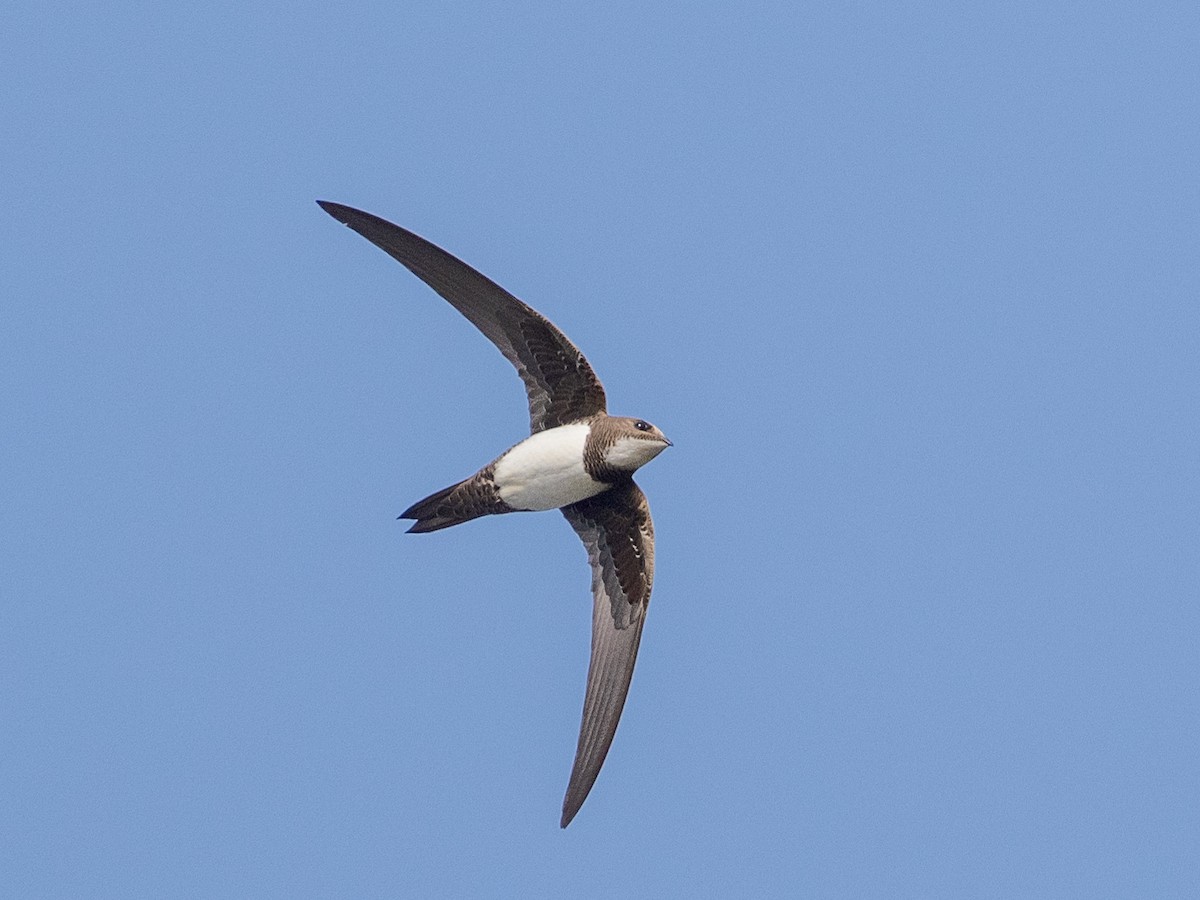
column 634, row 442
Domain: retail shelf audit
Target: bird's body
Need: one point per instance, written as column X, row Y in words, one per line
column 578, row 459
column 548, row 470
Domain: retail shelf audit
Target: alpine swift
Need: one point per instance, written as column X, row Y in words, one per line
column 577, row 459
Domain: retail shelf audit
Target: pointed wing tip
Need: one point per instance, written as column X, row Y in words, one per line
column 583, row 779
column 571, row 807
column 337, row 210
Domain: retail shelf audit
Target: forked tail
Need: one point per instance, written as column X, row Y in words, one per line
column 462, row 502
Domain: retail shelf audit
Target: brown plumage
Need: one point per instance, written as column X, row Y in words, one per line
column 560, row 384
column 469, row 499
column 619, row 535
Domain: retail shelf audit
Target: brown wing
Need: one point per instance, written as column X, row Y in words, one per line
column 560, row 384
column 615, row 527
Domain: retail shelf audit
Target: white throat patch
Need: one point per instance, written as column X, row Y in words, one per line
column 629, row 453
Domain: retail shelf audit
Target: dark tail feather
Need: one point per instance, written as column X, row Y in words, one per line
column 451, row 506
column 434, row 523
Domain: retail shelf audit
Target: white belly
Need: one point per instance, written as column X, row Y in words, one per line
column 545, row 471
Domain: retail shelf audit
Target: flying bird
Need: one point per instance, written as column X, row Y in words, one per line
column 577, row 458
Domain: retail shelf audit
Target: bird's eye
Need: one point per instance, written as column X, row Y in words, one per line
column 641, row 426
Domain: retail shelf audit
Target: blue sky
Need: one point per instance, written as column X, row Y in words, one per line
column 913, row 288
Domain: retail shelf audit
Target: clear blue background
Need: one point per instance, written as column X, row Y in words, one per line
column 913, row 287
